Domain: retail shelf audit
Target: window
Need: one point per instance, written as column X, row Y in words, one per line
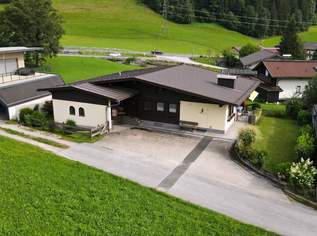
column 231, row 113
column 147, row 106
column 172, row 108
column 72, row 111
column 81, row 112
column 298, row 89
column 160, row 106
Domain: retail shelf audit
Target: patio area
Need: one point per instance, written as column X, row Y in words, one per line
column 232, row 133
column 11, row 79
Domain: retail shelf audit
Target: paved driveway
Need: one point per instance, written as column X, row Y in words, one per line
column 198, row 170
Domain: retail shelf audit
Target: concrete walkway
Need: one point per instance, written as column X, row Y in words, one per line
column 37, row 133
column 180, row 170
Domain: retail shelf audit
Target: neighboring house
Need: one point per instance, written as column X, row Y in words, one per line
column 180, row 95
column 310, row 48
column 18, row 91
column 284, row 79
column 252, row 60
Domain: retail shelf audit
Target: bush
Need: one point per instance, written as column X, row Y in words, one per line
column 307, row 129
column 23, row 113
column 247, row 137
column 51, row 126
column 305, row 146
column 302, row 174
column 36, row 107
column 47, row 109
column 283, row 170
column 38, row 119
column 257, row 158
column 255, row 106
column 71, row 123
column 303, row 117
column 248, row 49
column 293, row 107
column 254, row 156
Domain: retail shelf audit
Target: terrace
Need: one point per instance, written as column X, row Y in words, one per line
column 12, row 79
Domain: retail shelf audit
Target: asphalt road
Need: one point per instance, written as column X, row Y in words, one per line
column 211, row 179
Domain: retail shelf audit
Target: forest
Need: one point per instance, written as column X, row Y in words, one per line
column 257, row 18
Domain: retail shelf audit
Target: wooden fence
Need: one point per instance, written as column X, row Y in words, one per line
column 99, row 130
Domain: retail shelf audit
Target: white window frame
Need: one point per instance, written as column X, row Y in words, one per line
column 160, row 106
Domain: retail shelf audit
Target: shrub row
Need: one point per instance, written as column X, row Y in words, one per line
column 245, row 149
column 306, row 142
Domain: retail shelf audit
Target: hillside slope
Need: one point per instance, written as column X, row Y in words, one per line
column 309, row 36
column 127, row 24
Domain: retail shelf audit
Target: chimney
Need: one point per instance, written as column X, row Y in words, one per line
column 226, row 80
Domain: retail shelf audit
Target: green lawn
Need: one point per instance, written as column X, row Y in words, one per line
column 2, row 6
column 42, row 193
column 278, row 137
column 79, row 68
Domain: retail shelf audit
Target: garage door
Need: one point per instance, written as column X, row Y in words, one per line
column 8, row 66
column 2, row 67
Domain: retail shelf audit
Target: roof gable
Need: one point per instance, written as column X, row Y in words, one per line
column 258, row 57
column 291, row 69
column 23, row 92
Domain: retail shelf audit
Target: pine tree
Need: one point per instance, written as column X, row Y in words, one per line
column 291, row 42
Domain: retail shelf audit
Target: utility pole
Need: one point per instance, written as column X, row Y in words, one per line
column 165, row 15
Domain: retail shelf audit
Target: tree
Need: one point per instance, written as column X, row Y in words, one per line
column 229, row 58
column 31, row 23
column 248, row 49
column 310, row 93
column 291, row 42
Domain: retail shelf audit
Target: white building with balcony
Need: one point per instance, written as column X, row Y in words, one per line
column 20, row 90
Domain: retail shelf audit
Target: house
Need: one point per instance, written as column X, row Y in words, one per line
column 284, row 79
column 310, row 48
column 180, row 95
column 19, row 91
column 252, row 60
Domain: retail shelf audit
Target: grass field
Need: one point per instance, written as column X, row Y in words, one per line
column 309, row 36
column 277, row 137
column 129, row 25
column 42, row 193
column 79, row 68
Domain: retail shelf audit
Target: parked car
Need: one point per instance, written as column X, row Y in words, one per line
column 24, row 71
column 156, row 52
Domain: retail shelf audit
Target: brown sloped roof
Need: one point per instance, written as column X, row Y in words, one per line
column 115, row 93
column 23, row 92
column 291, row 69
column 192, row 80
column 257, row 57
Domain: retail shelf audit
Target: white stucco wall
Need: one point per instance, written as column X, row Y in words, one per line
column 289, row 87
column 14, row 111
column 19, row 56
column 208, row 116
column 94, row 114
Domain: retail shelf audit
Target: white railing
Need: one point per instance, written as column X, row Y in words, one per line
column 9, row 77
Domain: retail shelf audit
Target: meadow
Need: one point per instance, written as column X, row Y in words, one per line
column 44, row 194
column 73, row 69
column 130, row 25
column 127, row 24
